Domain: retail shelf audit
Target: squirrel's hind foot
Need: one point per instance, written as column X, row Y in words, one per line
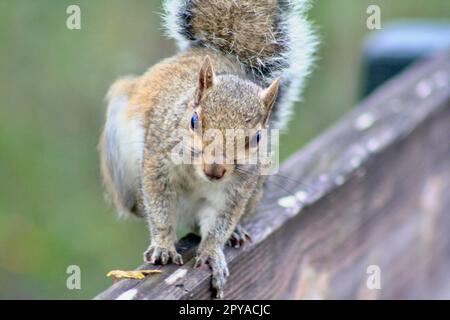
column 239, row 237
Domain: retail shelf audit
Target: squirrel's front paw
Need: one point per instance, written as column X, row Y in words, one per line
column 161, row 255
column 218, row 264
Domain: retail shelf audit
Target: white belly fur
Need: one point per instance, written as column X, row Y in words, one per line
column 197, row 206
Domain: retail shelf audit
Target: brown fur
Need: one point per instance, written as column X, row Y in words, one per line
column 232, row 27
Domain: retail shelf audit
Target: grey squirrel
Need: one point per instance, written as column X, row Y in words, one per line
column 241, row 65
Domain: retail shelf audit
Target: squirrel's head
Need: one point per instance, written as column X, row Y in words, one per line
column 227, row 116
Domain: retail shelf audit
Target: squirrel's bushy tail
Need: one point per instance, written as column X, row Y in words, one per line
column 270, row 38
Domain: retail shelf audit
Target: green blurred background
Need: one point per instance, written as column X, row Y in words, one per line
column 52, row 84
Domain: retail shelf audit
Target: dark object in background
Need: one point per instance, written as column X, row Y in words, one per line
column 388, row 51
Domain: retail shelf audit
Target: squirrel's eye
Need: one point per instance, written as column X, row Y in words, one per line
column 194, row 120
column 258, row 136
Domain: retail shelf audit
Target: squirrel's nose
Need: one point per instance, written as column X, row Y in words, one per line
column 214, row 171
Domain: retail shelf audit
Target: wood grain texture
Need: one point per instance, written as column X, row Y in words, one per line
column 372, row 190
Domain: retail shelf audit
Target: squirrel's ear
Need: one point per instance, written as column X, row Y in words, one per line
column 205, row 79
column 269, row 96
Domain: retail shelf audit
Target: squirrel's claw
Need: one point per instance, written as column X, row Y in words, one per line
column 199, row 262
column 161, row 255
column 177, row 259
column 218, row 294
column 239, row 237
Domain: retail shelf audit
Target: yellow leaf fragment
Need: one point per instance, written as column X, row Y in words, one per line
column 135, row 274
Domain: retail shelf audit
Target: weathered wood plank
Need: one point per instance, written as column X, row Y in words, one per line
column 372, row 190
